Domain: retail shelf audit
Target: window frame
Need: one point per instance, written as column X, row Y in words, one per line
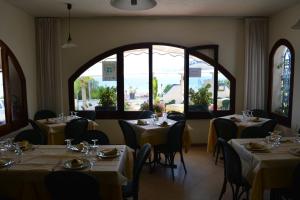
column 12, row 125
column 286, row 121
column 120, row 113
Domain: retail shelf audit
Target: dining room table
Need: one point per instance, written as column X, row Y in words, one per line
column 24, row 177
column 55, row 128
column 267, row 166
column 155, row 132
column 239, row 121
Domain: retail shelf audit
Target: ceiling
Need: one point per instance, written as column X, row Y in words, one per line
column 97, row 8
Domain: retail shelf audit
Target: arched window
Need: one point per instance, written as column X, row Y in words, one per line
column 160, row 77
column 281, row 81
column 13, row 104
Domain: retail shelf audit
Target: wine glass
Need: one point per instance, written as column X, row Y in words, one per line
column 86, row 148
column 95, row 144
column 18, row 150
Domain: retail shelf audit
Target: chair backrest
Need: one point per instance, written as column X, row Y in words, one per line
column 139, row 162
column 87, row 114
column 232, row 163
column 177, row 116
column 38, row 129
column 254, row 132
column 75, row 129
column 44, row 114
column 72, row 185
column 259, row 113
column 31, row 135
column 296, row 183
column 174, row 136
column 129, row 134
column 225, row 128
column 269, row 125
column 146, row 114
column 95, row 134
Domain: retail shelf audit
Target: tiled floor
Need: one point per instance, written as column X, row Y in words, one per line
column 203, row 180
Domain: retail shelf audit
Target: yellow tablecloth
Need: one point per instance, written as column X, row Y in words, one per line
column 155, row 134
column 55, row 130
column 25, row 179
column 267, row 170
column 212, row 136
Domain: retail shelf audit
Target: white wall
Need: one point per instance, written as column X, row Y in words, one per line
column 95, row 36
column 18, row 32
column 280, row 27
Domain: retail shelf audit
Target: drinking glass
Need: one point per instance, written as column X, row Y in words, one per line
column 164, row 116
column 69, row 143
column 3, row 146
column 297, row 138
column 18, row 150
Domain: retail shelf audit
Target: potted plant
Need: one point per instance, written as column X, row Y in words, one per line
column 201, row 99
column 107, row 99
column 158, row 108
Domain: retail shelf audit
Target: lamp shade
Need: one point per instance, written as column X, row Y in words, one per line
column 297, row 25
column 133, row 4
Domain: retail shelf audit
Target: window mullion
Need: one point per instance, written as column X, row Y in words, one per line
column 186, row 81
column 120, row 81
column 150, row 78
column 5, row 71
column 215, row 98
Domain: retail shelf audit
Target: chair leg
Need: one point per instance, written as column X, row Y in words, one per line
column 172, row 165
column 182, row 161
column 218, row 152
column 223, row 188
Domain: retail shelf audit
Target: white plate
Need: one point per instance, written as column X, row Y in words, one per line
column 6, row 162
column 68, row 164
column 102, row 155
column 294, row 151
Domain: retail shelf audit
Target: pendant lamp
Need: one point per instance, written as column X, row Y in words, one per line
column 133, row 4
column 69, row 43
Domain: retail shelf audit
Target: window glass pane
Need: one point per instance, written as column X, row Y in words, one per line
column 136, row 79
column 2, row 106
column 96, row 88
column 168, row 79
column 281, row 81
column 15, row 90
column 223, row 102
column 201, row 85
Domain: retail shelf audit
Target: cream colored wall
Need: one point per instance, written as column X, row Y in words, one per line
column 95, row 36
column 18, row 32
column 280, row 27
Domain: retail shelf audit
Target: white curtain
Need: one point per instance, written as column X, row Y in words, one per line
column 49, row 67
column 256, row 62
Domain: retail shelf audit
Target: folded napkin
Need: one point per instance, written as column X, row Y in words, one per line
column 3, row 161
column 141, row 122
column 255, row 119
column 235, row 119
column 109, row 151
column 24, row 145
column 164, row 124
column 253, row 145
column 76, row 162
